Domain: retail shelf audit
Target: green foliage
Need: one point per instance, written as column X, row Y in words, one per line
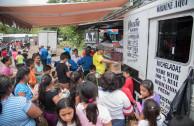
column 5, row 29
column 53, row 1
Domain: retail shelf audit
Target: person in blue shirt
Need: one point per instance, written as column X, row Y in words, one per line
column 68, row 49
column 43, row 55
column 86, row 62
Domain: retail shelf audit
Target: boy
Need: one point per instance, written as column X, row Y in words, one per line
column 128, row 81
column 20, row 58
column 47, row 69
column 63, row 71
column 93, row 71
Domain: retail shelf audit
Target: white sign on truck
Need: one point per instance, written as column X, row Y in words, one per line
column 48, row 38
column 158, row 43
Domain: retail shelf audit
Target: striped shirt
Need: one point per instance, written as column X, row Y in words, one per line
column 14, row 112
column 23, row 88
column 117, row 103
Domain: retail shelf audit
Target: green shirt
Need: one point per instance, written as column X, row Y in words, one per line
column 20, row 59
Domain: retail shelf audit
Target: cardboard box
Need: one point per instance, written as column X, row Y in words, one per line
column 115, row 68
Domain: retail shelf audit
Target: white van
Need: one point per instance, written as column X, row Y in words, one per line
column 158, row 44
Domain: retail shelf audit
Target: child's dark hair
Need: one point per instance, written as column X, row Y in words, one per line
column 67, row 53
column 20, row 65
column 21, row 74
column 127, row 70
column 5, row 59
column 88, row 94
column 48, row 48
column 53, row 73
column 19, row 52
column 74, row 78
column 92, row 78
column 5, row 83
column 24, row 50
column 148, row 84
column 29, row 62
column 46, row 68
column 45, row 82
column 63, row 56
column 109, row 81
column 180, row 120
column 62, row 104
column 151, row 111
column 121, row 81
column 92, row 67
column 35, row 55
column 87, row 52
column 81, row 74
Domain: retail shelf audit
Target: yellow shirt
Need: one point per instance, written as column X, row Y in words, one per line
column 100, row 66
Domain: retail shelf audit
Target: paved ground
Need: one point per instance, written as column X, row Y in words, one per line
column 34, row 49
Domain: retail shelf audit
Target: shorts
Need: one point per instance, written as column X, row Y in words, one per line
column 49, row 61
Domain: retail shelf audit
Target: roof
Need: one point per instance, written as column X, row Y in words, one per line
column 57, row 14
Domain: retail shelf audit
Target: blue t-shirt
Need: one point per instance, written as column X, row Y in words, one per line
column 14, row 111
column 43, row 53
column 68, row 50
column 86, row 61
column 23, row 88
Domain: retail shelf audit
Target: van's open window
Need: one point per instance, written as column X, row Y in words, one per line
column 174, row 39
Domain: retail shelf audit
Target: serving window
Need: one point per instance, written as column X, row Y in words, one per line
column 174, row 39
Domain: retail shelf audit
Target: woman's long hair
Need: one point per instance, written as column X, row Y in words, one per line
column 22, row 72
column 45, row 82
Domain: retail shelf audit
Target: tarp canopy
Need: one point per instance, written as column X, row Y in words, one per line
column 57, row 14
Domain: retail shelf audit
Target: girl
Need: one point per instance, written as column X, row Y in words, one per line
column 48, row 98
column 146, row 91
column 22, row 88
column 75, row 80
column 151, row 114
column 66, row 113
column 15, row 54
column 88, row 111
column 92, row 78
column 15, row 110
column 49, row 56
column 38, row 70
column 6, row 69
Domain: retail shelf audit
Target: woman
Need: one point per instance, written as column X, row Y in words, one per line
column 115, row 100
column 38, row 70
column 6, row 69
column 15, row 111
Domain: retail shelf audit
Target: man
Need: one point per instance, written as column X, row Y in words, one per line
column 119, row 44
column 106, row 39
column 76, row 57
column 90, row 49
column 67, row 49
column 43, row 55
column 99, row 61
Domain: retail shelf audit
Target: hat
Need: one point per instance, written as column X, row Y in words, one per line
column 100, row 47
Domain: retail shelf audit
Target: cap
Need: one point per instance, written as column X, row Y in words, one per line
column 100, row 47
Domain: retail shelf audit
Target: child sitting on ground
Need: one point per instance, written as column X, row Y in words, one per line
column 47, row 69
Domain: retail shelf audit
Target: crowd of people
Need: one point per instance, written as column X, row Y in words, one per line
column 78, row 92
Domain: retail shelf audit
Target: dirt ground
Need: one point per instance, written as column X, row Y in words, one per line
column 33, row 49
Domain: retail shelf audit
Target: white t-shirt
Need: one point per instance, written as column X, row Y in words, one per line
column 103, row 117
column 76, row 58
column 160, row 121
column 121, row 42
column 117, row 103
column 60, row 124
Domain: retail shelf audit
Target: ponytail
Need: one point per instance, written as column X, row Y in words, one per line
column 45, row 82
column 88, row 94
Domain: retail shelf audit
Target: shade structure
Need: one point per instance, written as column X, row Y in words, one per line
column 57, row 14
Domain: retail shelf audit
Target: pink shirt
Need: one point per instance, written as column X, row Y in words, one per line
column 103, row 117
column 14, row 54
column 6, row 70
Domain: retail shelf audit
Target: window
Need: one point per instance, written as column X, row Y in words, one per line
column 174, row 39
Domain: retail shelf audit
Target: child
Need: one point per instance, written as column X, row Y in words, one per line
column 63, row 72
column 55, row 81
column 4, row 52
column 66, row 113
column 48, row 98
column 125, row 90
column 20, row 58
column 32, row 82
column 89, row 111
column 47, row 69
column 93, row 71
column 151, row 114
column 49, row 56
column 147, row 92
column 15, row 54
column 75, row 80
column 129, row 81
column 92, row 78
column 22, row 88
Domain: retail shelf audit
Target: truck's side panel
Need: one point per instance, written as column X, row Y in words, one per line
column 52, row 41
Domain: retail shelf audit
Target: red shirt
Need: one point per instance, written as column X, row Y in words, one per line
column 128, row 93
column 4, row 53
column 129, row 84
column 91, row 53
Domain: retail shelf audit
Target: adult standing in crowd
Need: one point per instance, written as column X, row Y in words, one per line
column 75, row 57
column 6, row 69
column 90, row 50
column 99, row 61
column 15, row 111
column 106, row 38
column 43, row 55
column 38, row 70
column 67, row 49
